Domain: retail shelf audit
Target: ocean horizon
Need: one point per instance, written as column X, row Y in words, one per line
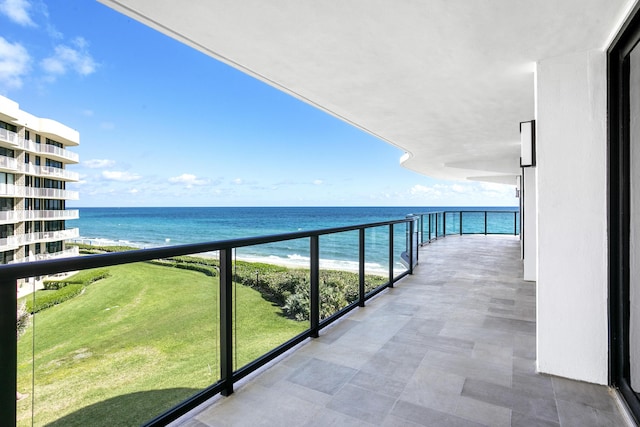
column 146, row 227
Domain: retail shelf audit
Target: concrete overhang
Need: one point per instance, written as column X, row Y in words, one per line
column 446, row 81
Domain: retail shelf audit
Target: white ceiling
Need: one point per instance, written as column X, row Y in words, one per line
column 448, row 81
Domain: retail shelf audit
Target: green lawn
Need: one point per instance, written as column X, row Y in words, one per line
column 134, row 344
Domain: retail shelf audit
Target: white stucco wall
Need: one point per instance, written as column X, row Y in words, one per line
column 529, row 235
column 572, row 219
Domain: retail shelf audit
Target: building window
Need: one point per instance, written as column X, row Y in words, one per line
column 6, row 204
column 8, row 126
column 7, row 178
column 54, row 163
column 54, row 143
column 26, row 157
column 53, row 247
column 6, row 231
column 6, row 152
column 6, row 257
column 37, row 139
column 37, row 160
column 38, row 248
column 27, row 135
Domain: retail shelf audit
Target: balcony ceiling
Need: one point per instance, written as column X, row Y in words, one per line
column 446, row 81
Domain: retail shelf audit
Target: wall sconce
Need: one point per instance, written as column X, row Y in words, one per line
column 528, row 144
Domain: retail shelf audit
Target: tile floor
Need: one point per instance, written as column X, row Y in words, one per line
column 452, row 345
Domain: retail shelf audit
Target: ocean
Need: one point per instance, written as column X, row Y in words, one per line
column 162, row 226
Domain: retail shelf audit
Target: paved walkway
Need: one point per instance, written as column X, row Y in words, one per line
column 452, row 345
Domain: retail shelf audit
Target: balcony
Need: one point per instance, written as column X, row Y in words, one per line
column 12, row 190
column 13, row 216
column 452, row 344
column 9, row 137
column 48, row 172
column 51, row 151
column 8, row 164
column 47, row 193
column 69, row 252
column 39, row 237
column 448, row 341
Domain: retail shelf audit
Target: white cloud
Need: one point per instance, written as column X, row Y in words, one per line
column 99, row 163
column 17, row 11
column 238, row 181
column 188, row 179
column 120, row 176
column 317, row 182
column 88, row 113
column 14, row 63
column 134, row 191
column 422, row 190
column 65, row 58
column 460, row 188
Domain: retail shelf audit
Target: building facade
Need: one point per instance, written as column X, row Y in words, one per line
column 34, row 154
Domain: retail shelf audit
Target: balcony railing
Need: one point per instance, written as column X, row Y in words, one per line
column 39, row 237
column 228, row 351
column 8, row 163
column 37, row 215
column 9, row 136
column 50, row 150
column 67, row 253
column 48, row 171
column 13, row 190
column 434, row 225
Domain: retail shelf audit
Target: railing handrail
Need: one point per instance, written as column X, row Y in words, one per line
column 38, row 268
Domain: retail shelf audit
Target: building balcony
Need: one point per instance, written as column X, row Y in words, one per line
column 9, row 217
column 51, row 151
column 48, row 172
column 9, row 137
column 38, row 237
column 11, row 190
column 452, row 344
column 69, row 252
column 450, row 340
column 8, row 164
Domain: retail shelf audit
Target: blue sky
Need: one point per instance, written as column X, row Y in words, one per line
column 164, row 125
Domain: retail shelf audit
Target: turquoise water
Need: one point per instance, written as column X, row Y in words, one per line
column 153, row 227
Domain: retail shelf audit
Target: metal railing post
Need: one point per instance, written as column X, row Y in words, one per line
column 485, row 223
column 314, row 297
column 411, row 247
column 422, row 229
column 226, row 320
column 436, row 225
column 8, row 351
column 361, row 260
column 515, row 223
column 460, row 213
column 444, row 224
column 429, row 227
column 391, row 278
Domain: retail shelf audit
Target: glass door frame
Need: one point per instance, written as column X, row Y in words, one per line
column 618, row 171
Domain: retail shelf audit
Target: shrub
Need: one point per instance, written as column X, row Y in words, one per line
column 22, row 319
column 85, row 278
column 45, row 299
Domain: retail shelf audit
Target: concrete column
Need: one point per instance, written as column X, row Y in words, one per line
column 572, row 331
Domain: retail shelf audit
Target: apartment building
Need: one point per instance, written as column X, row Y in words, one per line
column 34, row 154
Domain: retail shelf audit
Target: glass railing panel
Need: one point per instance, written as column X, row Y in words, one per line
column 472, row 222
column 400, row 249
column 440, row 223
column 120, row 345
column 270, row 297
column 376, row 265
column 452, row 222
column 339, row 266
column 502, row 222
